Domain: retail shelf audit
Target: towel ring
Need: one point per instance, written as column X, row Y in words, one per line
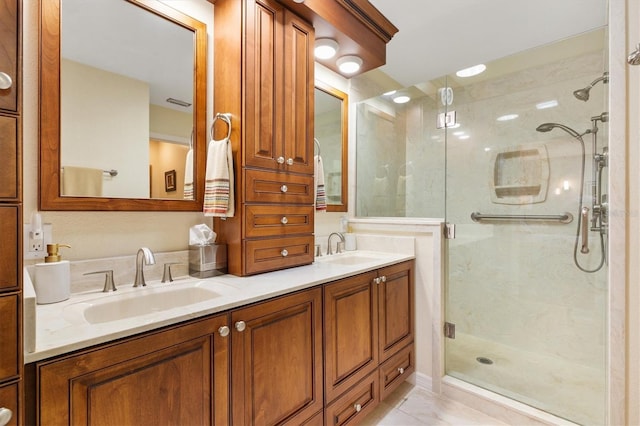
column 315, row 141
column 226, row 117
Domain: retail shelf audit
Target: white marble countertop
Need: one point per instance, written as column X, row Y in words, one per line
column 60, row 328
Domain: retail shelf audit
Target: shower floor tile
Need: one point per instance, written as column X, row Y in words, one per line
column 411, row 405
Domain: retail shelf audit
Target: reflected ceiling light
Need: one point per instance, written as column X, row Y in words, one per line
column 507, row 117
column 326, row 48
column 547, row 104
column 298, row 1
column 464, row 137
column 458, row 133
column 402, row 99
column 452, row 126
column 389, row 93
column 349, row 64
column 471, row 71
column 487, row 149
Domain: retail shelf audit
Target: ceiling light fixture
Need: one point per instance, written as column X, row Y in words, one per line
column 178, row 102
column 326, row 48
column 298, row 1
column 389, row 93
column 471, row 71
column 349, row 64
column 402, row 99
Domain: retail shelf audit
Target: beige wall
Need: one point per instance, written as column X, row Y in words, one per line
column 102, row 234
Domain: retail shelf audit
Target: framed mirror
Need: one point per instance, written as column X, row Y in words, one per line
column 331, row 129
column 122, row 106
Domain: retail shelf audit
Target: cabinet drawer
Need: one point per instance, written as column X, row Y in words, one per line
column 396, row 370
column 354, row 405
column 10, row 347
column 9, row 399
column 278, row 253
column 270, row 220
column 271, row 187
column 10, row 255
column 9, row 158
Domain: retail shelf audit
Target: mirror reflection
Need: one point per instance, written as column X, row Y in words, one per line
column 331, row 143
column 126, row 99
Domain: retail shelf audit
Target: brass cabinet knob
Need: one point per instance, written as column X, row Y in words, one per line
column 284, row 220
column 280, row 160
column 224, row 331
column 357, row 407
column 290, row 161
column 5, row 416
column 284, row 188
column 240, row 325
column 284, row 253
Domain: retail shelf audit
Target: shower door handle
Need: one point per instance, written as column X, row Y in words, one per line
column 584, row 222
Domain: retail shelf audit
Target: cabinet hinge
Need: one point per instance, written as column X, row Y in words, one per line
column 449, row 330
column 449, row 231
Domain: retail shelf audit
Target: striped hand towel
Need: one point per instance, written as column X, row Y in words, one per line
column 318, row 172
column 218, row 189
column 188, row 176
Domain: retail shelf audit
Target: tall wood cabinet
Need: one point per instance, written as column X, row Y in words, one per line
column 11, row 212
column 264, row 79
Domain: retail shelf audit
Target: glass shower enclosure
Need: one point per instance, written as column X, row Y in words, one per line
column 517, row 162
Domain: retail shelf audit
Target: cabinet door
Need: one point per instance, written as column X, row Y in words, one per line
column 351, row 332
column 9, row 338
column 396, row 310
column 9, row 158
column 9, row 52
column 10, row 247
column 263, row 84
column 298, row 95
column 277, row 360
column 168, row 377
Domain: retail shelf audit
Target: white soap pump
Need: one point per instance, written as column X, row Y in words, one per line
column 53, row 277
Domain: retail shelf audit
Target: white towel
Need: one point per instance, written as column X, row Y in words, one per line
column 188, row 176
column 318, row 173
column 81, row 181
column 218, row 188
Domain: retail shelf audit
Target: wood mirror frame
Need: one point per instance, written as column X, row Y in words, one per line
column 340, row 206
column 49, row 133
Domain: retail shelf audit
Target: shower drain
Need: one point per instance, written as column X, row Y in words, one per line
column 484, row 360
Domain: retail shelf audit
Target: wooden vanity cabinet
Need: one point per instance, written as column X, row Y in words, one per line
column 264, row 78
column 11, row 369
column 177, row 375
column 276, row 367
column 368, row 332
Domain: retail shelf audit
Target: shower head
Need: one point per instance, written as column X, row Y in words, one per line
column 583, row 94
column 547, row 127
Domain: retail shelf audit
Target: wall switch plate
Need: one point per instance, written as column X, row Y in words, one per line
column 35, row 247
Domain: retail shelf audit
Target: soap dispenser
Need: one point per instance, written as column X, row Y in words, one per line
column 53, row 277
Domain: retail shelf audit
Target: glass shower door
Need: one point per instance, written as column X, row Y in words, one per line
column 527, row 303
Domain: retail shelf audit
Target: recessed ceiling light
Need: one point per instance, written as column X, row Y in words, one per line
column 349, row 64
column 507, row 117
column 326, row 48
column 547, row 104
column 402, row 99
column 471, row 71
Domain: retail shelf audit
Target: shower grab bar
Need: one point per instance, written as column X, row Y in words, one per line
column 562, row 218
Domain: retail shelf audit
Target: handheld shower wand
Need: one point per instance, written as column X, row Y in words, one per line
column 583, row 211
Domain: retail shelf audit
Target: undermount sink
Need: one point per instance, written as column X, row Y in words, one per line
column 351, row 258
column 137, row 303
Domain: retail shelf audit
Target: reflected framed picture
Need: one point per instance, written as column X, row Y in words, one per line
column 170, row 181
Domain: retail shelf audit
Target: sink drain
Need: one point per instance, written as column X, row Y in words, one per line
column 484, row 360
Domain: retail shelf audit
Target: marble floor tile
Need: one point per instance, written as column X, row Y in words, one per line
column 411, row 405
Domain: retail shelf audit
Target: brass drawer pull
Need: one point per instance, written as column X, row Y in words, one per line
column 284, row 188
column 284, row 253
column 284, row 220
column 357, row 407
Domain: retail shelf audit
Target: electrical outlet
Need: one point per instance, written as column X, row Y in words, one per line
column 35, row 245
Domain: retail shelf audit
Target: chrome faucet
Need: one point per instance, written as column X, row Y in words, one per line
column 339, row 248
column 144, row 256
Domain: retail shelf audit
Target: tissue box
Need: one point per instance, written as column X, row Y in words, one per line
column 207, row 260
